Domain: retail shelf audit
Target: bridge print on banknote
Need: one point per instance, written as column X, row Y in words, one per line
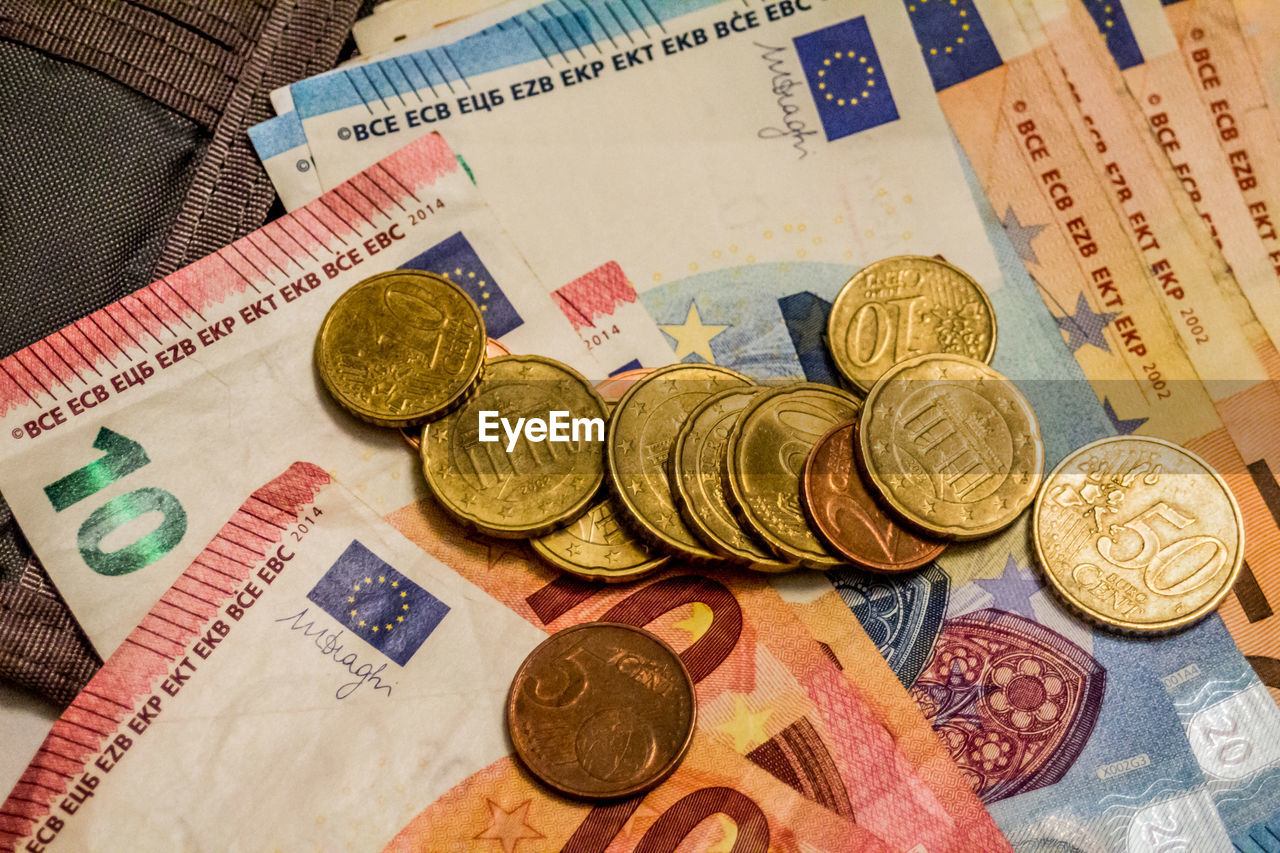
column 846, row 78
column 456, row 260
column 1013, row 701
column 902, row 616
column 377, row 603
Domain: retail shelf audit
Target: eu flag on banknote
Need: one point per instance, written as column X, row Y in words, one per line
column 845, row 78
column 954, row 40
column 456, row 260
column 1113, row 23
column 378, row 604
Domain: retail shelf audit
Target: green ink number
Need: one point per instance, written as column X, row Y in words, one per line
column 122, row 456
column 145, row 550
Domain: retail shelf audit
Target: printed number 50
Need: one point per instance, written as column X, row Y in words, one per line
column 1158, row 562
column 122, row 457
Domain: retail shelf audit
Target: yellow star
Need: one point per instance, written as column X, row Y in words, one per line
column 745, row 726
column 699, row 621
column 728, row 836
column 692, row 336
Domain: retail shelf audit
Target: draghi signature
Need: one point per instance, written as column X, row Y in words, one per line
column 784, row 83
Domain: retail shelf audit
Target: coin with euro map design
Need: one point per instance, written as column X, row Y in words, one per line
column 764, row 460
column 521, row 487
column 601, row 711
column 951, row 446
column 904, row 306
column 1138, row 534
column 696, row 461
column 642, row 430
column 848, row 519
column 401, row 348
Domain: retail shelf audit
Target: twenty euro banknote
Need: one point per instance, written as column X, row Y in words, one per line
column 1122, row 727
column 263, row 654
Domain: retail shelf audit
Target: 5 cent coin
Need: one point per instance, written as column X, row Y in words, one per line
column 601, row 711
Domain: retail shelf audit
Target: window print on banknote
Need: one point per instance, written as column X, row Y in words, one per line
column 1014, row 701
column 846, row 79
column 902, row 616
column 954, row 40
column 456, row 260
column 378, row 604
column 1113, row 23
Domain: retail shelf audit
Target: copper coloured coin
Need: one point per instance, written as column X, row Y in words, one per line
column 601, row 710
column 848, row 519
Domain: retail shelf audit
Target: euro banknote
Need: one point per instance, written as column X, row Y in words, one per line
column 128, row 433
column 310, row 639
column 282, row 147
column 1260, row 26
column 1080, row 249
column 767, row 691
column 1214, row 169
column 1126, row 734
column 739, row 157
column 1162, row 83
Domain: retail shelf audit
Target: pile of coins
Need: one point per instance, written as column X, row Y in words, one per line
column 695, row 462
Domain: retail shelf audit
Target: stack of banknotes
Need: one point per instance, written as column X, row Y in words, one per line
column 625, row 184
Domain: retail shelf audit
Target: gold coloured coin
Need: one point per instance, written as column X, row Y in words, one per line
column 534, row 482
column 696, row 461
column 905, row 306
column 492, row 349
column 401, row 348
column 601, row 711
column 764, row 460
column 616, row 385
column 641, row 432
column 951, row 445
column 1138, row 534
column 599, row 547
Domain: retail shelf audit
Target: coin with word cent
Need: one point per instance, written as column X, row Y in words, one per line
column 848, row 519
column 951, row 446
column 1138, row 534
column 905, row 306
column 601, row 711
column 401, row 348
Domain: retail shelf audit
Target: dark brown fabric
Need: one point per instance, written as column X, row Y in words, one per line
column 212, row 63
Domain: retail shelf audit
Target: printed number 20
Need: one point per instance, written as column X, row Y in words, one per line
column 122, row 457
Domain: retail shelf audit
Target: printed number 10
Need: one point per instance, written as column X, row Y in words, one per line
column 122, row 457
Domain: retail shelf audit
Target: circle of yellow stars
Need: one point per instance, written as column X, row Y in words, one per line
column 484, row 294
column 964, row 27
column 850, row 55
column 368, row 582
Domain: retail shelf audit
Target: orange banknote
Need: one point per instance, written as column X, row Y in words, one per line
column 1042, row 158
column 768, row 694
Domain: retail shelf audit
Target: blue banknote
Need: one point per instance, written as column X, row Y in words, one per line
column 1077, row 739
